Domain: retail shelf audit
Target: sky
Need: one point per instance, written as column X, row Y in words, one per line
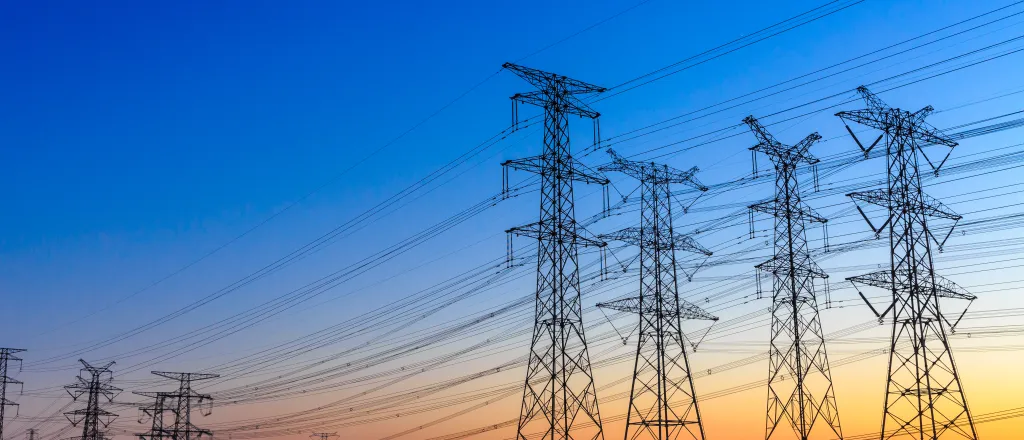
column 157, row 154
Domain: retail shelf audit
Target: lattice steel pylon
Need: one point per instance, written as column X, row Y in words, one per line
column 559, row 396
column 96, row 387
column 924, row 398
column 662, row 399
column 800, row 390
column 179, row 404
column 155, row 413
column 6, row 357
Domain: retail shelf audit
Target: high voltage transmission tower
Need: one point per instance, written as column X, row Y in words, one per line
column 801, row 396
column 179, row 405
column 94, row 384
column 155, row 413
column 6, row 357
column 559, row 396
column 924, row 398
column 662, row 400
column 31, row 434
column 323, row 435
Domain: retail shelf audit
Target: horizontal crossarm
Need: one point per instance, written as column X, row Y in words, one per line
column 653, row 173
column 540, row 165
column 538, row 231
column 636, row 236
column 927, row 206
column 777, row 209
column 687, row 310
column 943, row 287
column 542, row 80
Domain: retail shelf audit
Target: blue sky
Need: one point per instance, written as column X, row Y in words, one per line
column 137, row 138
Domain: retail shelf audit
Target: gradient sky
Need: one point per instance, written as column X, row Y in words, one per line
column 138, row 138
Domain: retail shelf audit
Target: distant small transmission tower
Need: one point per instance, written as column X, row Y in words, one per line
column 662, row 400
column 94, row 384
column 6, row 357
column 924, row 398
column 800, row 392
column 323, row 435
column 179, row 404
column 559, row 396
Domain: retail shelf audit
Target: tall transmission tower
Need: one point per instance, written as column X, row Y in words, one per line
column 800, row 392
column 6, row 357
column 662, row 400
column 32, row 434
column 179, row 404
column 924, row 398
column 323, row 435
column 94, row 384
column 559, row 397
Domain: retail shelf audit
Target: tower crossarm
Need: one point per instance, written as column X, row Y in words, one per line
column 636, row 304
column 185, row 376
column 575, row 170
column 881, row 116
column 535, row 230
column 103, row 416
column 866, row 117
column 942, row 287
column 926, row 205
column 776, row 208
column 569, row 103
column 945, row 288
column 636, row 236
column 545, row 80
column 929, row 135
column 650, row 172
column 555, row 90
column 789, row 155
column 687, row 243
column 782, row 268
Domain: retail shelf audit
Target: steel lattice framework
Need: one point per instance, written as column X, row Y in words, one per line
column 559, row 397
column 96, row 388
column 801, row 397
column 662, row 400
column 179, row 405
column 6, row 357
column 155, row 413
column 924, row 398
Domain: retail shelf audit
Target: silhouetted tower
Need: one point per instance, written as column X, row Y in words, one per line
column 559, row 395
column 179, row 404
column 800, row 392
column 924, row 398
column 323, row 435
column 662, row 400
column 31, row 434
column 6, row 357
column 155, row 414
column 94, row 384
